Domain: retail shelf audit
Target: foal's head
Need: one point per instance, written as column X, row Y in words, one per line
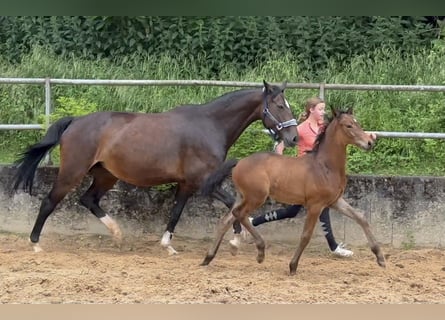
column 347, row 128
column 277, row 114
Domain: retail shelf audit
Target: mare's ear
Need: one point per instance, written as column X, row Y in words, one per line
column 350, row 110
column 267, row 88
column 283, row 86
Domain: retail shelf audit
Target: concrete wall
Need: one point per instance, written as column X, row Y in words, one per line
column 403, row 211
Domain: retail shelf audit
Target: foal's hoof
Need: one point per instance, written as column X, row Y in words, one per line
column 292, row 269
column 260, row 257
column 381, row 262
column 206, row 261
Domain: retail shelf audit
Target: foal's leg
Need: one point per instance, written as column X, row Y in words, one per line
column 259, row 241
column 181, row 197
column 103, row 181
column 67, row 178
column 251, row 202
column 223, row 225
column 311, row 220
column 342, row 206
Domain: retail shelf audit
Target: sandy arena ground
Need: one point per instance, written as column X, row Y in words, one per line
column 89, row 268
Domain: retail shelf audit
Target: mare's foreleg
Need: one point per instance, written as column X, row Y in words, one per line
column 228, row 200
column 224, row 225
column 181, row 198
column 308, row 230
column 103, row 181
column 342, row 206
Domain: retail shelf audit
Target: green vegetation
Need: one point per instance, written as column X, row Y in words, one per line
column 217, row 41
column 394, row 51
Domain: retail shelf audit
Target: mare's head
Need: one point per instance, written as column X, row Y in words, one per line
column 348, row 129
column 277, row 114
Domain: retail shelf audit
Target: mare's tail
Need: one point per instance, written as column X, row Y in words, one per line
column 27, row 164
column 217, row 177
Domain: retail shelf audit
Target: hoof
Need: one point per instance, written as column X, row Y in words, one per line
column 381, row 262
column 171, row 251
column 35, row 246
column 233, row 248
column 260, row 258
column 235, row 244
column 117, row 239
column 292, row 269
column 206, row 261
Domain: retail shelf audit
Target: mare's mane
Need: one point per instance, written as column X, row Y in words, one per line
column 227, row 98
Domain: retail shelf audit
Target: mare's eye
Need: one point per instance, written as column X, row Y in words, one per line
column 349, row 126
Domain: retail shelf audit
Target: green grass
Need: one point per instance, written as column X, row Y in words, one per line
column 376, row 110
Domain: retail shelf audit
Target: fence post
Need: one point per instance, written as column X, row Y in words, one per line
column 47, row 160
column 322, row 91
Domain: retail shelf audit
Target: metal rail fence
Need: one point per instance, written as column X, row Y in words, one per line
column 322, row 87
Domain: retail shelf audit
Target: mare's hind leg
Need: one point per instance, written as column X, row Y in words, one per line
column 342, row 206
column 223, row 226
column 102, row 182
column 308, row 230
column 67, row 179
column 228, row 200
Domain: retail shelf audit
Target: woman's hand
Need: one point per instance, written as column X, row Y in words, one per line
column 279, row 147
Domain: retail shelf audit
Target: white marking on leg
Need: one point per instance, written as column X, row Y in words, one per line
column 35, row 246
column 165, row 242
column 113, row 227
column 236, row 241
column 235, row 244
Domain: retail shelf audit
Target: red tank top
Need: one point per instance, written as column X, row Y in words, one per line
column 307, row 137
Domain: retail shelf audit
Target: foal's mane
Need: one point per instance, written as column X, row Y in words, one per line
column 322, row 134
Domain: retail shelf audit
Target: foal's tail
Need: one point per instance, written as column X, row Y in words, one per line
column 217, row 177
column 29, row 160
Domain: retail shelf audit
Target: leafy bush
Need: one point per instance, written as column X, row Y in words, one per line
column 243, row 41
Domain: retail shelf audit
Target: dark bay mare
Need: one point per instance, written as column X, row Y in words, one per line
column 315, row 180
column 182, row 145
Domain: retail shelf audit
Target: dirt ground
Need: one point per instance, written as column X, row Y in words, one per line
column 89, row 268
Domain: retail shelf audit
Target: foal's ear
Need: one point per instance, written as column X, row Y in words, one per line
column 335, row 112
column 283, row 86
